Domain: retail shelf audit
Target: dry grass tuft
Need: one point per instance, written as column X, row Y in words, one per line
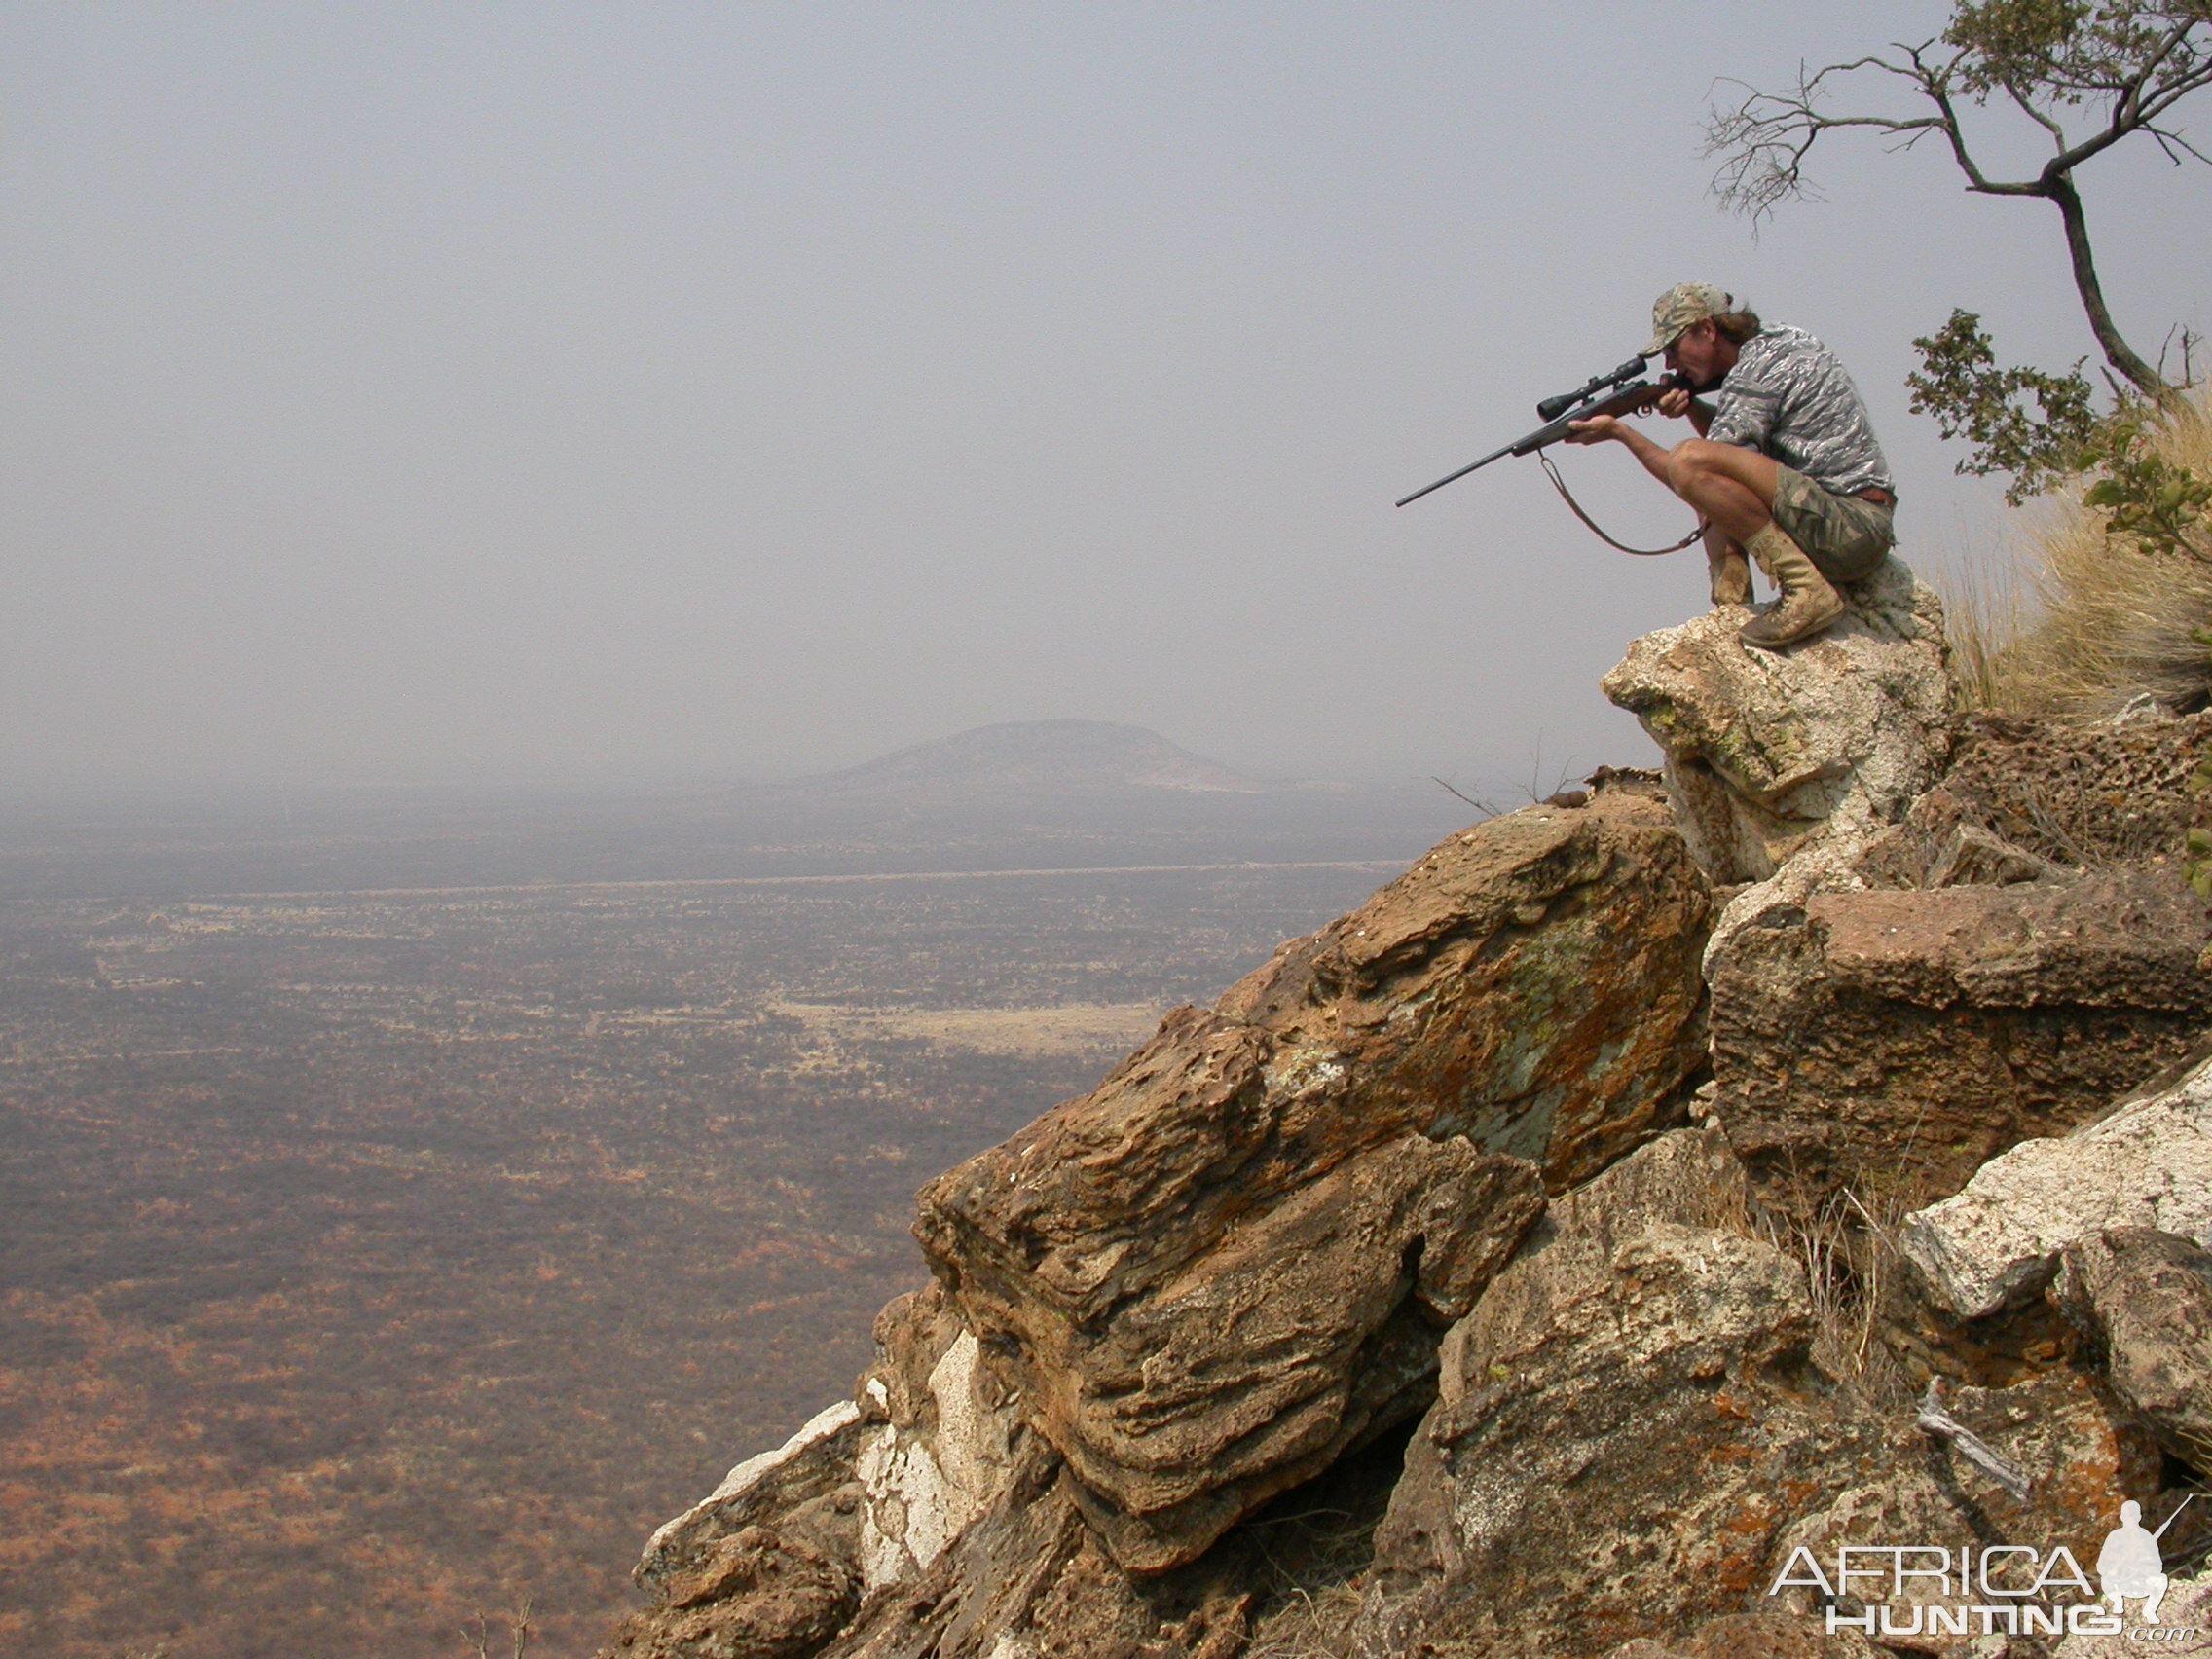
column 1312, row 1624
column 1851, row 1261
column 2113, row 622
column 1985, row 613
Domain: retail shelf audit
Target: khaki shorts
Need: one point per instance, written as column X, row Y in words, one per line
column 1843, row 535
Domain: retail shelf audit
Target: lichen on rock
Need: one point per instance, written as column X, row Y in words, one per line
column 1997, row 1242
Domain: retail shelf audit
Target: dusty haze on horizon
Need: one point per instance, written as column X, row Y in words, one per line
column 526, row 393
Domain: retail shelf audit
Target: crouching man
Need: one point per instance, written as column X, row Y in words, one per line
column 1784, row 466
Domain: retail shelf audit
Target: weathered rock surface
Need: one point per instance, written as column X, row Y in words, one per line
column 1028, row 1579
column 2081, row 1458
column 764, row 1568
column 1755, row 1635
column 1895, row 1041
column 2146, row 1297
column 1624, row 1423
column 2062, row 796
column 1479, row 994
column 1232, row 1261
column 938, row 1446
column 1768, row 753
column 1997, row 1242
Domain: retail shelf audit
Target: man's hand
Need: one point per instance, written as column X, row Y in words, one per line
column 1596, row 430
column 1675, row 402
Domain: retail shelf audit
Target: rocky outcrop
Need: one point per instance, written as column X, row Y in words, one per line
column 1430, row 1162
column 1232, row 1262
column 1997, row 1242
column 1769, row 754
column 1165, row 1303
column 2144, row 1298
column 1894, row 1042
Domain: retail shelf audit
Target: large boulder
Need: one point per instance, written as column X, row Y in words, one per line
column 1997, row 1242
column 1623, row 1425
column 1232, row 1262
column 1771, row 753
column 1894, row 1042
column 1533, row 984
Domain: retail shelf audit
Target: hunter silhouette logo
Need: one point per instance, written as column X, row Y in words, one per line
column 2130, row 1565
column 2015, row 1589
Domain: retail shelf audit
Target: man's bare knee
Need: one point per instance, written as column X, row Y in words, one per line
column 1691, row 461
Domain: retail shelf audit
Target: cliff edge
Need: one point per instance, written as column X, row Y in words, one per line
column 1647, row 1195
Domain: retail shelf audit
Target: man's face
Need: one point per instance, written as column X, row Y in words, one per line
column 1700, row 352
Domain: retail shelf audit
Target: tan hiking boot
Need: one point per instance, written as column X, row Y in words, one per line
column 1731, row 575
column 1808, row 602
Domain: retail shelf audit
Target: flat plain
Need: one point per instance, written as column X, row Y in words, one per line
column 377, row 1259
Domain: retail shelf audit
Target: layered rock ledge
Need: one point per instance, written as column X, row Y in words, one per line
column 1233, row 1260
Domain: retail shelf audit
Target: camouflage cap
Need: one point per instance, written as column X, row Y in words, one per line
column 1682, row 307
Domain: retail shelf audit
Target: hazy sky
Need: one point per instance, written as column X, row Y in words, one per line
column 405, row 393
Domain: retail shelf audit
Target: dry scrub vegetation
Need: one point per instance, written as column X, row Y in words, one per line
column 2078, row 617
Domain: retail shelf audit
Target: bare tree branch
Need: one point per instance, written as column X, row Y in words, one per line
column 2136, row 59
column 2048, row 122
column 2172, row 142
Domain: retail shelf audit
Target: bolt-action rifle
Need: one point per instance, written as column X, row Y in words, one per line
column 1618, row 392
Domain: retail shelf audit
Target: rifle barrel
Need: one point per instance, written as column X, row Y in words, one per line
column 1620, row 401
column 1494, row 455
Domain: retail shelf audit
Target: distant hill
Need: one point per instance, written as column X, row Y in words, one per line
column 1032, row 758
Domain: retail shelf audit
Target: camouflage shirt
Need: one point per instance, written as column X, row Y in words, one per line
column 1789, row 397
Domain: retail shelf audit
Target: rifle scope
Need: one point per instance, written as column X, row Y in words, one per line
column 1552, row 408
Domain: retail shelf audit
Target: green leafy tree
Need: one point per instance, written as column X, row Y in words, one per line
column 2145, row 497
column 1959, row 383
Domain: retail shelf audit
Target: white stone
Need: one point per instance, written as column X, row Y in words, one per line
column 923, row 1489
column 1997, row 1242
